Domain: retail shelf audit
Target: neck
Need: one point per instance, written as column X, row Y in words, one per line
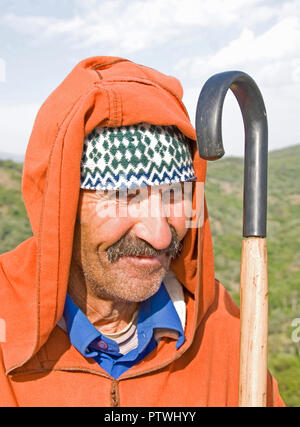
column 107, row 315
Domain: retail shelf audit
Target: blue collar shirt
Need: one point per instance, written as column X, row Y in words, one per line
column 157, row 311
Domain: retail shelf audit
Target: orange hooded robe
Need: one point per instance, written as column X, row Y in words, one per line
column 38, row 365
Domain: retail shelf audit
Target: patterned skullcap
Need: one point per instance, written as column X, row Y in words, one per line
column 135, row 156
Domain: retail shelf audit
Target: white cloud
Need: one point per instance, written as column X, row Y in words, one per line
column 260, row 37
column 272, row 56
column 28, row 24
column 136, row 24
column 130, row 26
column 16, row 122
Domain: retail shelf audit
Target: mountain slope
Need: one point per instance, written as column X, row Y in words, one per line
column 224, row 198
column 224, row 194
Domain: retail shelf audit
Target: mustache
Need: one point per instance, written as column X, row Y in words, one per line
column 133, row 246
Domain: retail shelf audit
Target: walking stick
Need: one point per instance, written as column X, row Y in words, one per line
column 254, row 279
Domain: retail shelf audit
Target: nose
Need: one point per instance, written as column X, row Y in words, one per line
column 155, row 231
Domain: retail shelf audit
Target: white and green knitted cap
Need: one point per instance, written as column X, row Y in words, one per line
column 135, row 156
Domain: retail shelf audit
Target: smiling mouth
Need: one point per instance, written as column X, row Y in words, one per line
column 128, row 246
column 154, row 261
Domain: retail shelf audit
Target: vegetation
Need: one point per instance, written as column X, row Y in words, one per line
column 14, row 224
column 224, row 194
column 224, row 190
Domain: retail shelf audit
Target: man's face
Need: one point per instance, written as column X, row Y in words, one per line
column 124, row 243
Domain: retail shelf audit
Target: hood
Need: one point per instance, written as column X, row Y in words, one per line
column 99, row 91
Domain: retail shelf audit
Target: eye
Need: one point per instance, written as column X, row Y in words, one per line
column 112, row 195
column 126, row 196
column 100, row 194
column 131, row 194
column 173, row 193
column 188, row 188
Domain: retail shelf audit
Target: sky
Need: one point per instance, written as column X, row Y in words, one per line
column 42, row 40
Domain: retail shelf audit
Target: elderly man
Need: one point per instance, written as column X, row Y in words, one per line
column 113, row 301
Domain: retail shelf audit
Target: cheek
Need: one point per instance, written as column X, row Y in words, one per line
column 110, row 231
column 180, row 226
column 180, row 213
column 99, row 232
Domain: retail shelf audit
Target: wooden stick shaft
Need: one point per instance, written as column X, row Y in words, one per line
column 254, row 323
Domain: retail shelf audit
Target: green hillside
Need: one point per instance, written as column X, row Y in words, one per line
column 224, row 194
column 14, row 225
column 224, row 199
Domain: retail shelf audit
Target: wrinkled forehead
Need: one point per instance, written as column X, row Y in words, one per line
column 175, row 190
column 135, row 157
column 173, row 201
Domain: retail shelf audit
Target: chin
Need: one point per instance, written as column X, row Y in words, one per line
column 124, row 288
column 138, row 295
column 125, row 281
column 136, row 290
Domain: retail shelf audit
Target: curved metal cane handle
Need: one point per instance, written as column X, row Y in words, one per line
column 210, row 144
